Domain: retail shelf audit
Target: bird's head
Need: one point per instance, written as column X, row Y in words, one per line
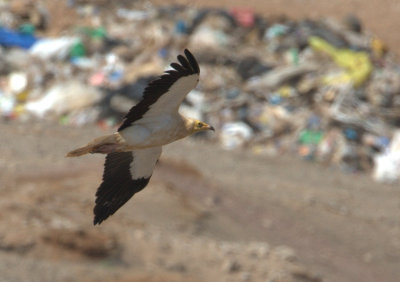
column 197, row 126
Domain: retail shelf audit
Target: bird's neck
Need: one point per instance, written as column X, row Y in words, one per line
column 188, row 125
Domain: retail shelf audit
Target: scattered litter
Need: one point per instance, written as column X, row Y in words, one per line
column 326, row 90
column 235, row 134
column 64, row 98
column 387, row 164
column 11, row 38
column 53, row 48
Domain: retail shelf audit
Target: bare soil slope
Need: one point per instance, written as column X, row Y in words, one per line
column 207, row 215
column 173, row 231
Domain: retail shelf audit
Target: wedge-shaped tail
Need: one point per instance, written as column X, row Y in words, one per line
column 80, row 151
column 103, row 145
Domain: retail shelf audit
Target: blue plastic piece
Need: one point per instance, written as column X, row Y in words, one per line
column 11, row 38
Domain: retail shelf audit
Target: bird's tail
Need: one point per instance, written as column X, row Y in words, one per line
column 104, row 145
column 80, row 151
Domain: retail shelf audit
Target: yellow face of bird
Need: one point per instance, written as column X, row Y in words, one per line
column 201, row 126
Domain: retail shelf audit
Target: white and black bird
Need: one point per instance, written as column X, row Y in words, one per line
column 134, row 149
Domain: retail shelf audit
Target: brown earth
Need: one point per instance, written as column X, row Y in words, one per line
column 180, row 228
column 207, row 215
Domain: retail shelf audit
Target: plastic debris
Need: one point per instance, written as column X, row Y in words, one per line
column 357, row 64
column 279, row 76
column 322, row 89
column 235, row 134
column 10, row 38
column 64, row 98
column 53, row 48
column 387, row 164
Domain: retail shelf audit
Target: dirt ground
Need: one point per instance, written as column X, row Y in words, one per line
column 182, row 227
column 207, row 215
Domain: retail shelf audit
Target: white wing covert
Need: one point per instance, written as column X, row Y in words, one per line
column 165, row 94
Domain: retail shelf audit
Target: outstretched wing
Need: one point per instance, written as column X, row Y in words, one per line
column 165, row 94
column 125, row 173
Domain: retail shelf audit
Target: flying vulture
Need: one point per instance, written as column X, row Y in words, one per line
column 134, row 149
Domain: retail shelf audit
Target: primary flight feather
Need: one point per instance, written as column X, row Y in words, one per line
column 134, row 149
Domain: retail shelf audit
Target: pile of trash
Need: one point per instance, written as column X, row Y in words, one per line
column 325, row 90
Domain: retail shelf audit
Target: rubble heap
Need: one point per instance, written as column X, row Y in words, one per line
column 325, row 90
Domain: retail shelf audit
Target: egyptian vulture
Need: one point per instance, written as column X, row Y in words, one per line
column 134, row 149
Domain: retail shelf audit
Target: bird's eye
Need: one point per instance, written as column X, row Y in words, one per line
column 199, row 124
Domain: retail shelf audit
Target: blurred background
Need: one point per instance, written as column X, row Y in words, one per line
column 300, row 181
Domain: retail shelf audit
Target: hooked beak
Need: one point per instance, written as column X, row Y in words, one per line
column 211, row 128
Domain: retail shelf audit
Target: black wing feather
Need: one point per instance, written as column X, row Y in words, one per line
column 117, row 186
column 161, row 85
column 177, row 67
column 192, row 61
column 184, row 62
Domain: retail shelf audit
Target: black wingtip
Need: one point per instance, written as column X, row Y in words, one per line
column 104, row 210
column 100, row 214
column 97, row 220
column 184, row 62
column 111, row 197
column 177, row 67
column 192, row 61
